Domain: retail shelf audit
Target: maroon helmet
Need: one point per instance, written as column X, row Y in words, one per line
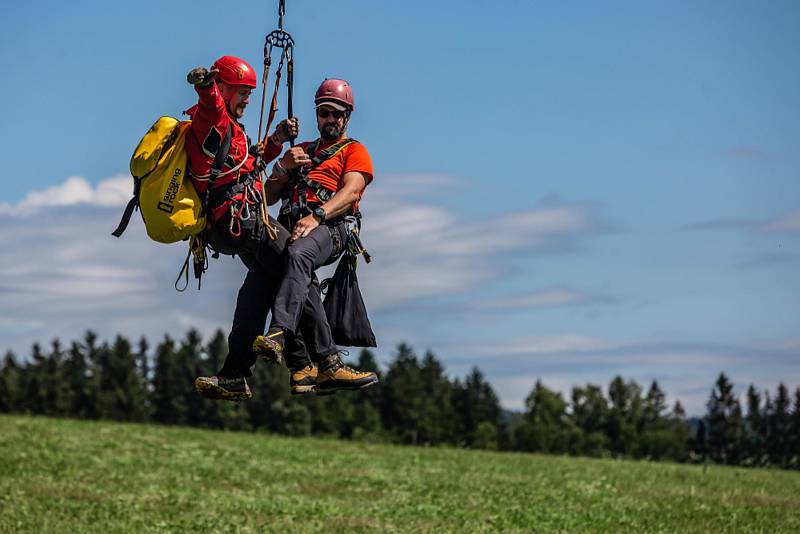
column 335, row 93
column 235, row 71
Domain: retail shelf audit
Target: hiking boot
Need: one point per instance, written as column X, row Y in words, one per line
column 221, row 388
column 270, row 347
column 340, row 376
column 304, row 380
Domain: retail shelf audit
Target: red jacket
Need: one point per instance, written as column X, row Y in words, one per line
column 210, row 120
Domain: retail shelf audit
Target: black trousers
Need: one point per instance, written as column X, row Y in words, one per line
column 320, row 247
column 266, row 260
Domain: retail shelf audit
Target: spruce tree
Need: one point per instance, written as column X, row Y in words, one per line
column 366, row 403
column 76, row 378
column 92, row 354
column 189, row 365
column 657, row 430
column 589, row 414
column 434, row 404
column 55, row 387
column 795, row 432
column 680, row 434
column 546, row 427
column 755, row 430
column 169, row 401
column 10, row 384
column 725, row 426
column 123, row 392
column 266, row 411
column 474, row 402
column 624, row 416
column 779, row 446
column 34, row 383
column 399, row 396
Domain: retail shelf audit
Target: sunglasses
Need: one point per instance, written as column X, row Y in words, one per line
column 325, row 113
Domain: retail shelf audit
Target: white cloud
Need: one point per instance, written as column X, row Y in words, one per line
column 533, row 345
column 114, row 191
column 786, row 223
column 545, row 298
column 424, row 250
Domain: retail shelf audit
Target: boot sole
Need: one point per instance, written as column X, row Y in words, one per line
column 210, row 391
column 303, row 390
column 344, row 386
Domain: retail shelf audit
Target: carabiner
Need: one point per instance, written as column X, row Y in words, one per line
column 235, row 223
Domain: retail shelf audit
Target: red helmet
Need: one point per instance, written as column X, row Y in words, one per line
column 235, row 71
column 336, row 93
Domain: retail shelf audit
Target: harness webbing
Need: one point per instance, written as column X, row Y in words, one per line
column 300, row 178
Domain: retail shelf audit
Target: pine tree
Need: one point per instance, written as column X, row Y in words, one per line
column 189, row 364
column 755, row 430
column 399, row 396
column 34, row 383
column 589, row 414
column 434, row 404
column 474, row 402
column 54, row 386
column 546, row 427
column 698, row 442
column 657, row 430
column 266, row 411
column 654, row 407
column 725, row 427
column 10, row 384
column 92, row 354
column 795, row 433
column 779, row 446
column 366, row 403
column 169, row 402
column 123, row 394
column 624, row 416
column 678, row 437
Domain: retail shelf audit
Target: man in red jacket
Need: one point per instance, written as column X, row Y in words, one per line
column 234, row 201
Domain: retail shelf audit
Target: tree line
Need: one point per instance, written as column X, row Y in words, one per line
column 416, row 403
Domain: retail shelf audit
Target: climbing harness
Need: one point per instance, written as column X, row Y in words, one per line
column 301, row 183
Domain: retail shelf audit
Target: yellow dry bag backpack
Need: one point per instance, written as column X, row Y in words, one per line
column 162, row 188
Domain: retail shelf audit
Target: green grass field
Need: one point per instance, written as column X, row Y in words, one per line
column 79, row 476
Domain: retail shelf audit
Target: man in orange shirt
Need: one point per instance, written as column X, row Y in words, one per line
column 320, row 183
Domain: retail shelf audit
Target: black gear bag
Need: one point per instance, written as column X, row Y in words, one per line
column 344, row 306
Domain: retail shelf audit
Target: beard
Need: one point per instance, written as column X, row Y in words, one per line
column 331, row 132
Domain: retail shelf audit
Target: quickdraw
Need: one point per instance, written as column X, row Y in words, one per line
column 282, row 40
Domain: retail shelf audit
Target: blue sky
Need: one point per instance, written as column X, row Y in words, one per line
column 564, row 192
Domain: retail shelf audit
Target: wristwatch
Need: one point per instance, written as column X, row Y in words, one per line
column 320, row 214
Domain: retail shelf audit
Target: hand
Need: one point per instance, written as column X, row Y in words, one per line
column 201, row 77
column 304, row 227
column 294, row 157
column 285, row 130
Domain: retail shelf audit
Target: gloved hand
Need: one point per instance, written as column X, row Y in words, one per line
column 285, row 130
column 201, row 76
